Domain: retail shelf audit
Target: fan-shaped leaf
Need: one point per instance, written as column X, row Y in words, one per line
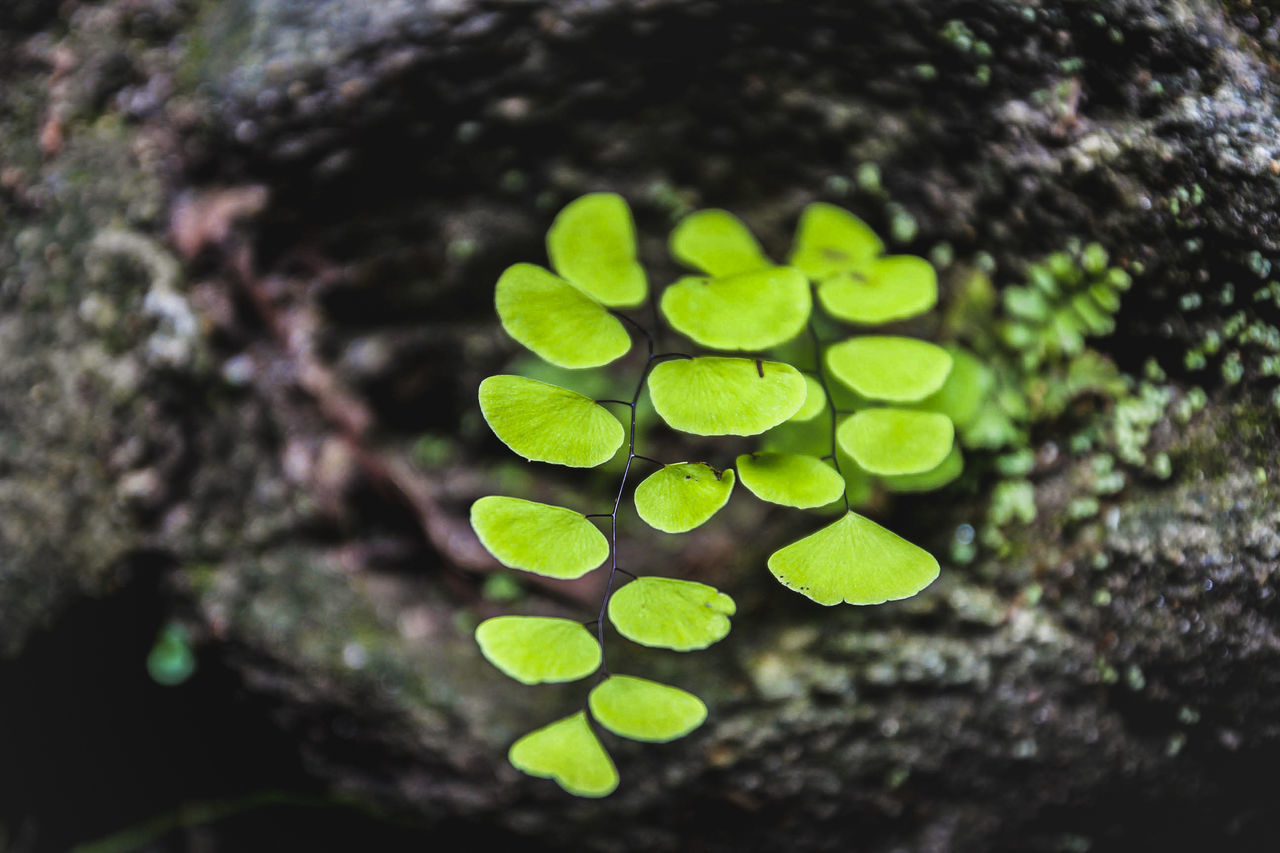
column 592, row 244
column 547, row 540
column 671, row 614
column 679, row 497
column 881, row 291
column 716, row 242
column 854, row 560
column 547, row 423
column 831, row 240
column 645, row 710
column 897, row 441
column 815, row 400
column 790, row 479
column 962, row 395
column 748, row 311
column 539, row 649
column 556, row 320
column 927, row 481
column 725, row 396
column 568, row 752
column 886, row 367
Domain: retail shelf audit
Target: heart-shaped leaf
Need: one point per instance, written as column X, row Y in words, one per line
column 888, row 367
column 680, row 497
column 592, row 244
column 815, row 400
column 716, row 242
column 962, row 396
column 556, row 320
column 935, row 478
column 645, row 710
column 539, row 649
column 897, row 441
column 547, row 423
column 671, row 614
column 539, row 538
column 790, row 479
column 854, row 560
column 568, row 752
column 747, row 311
column 881, row 291
column 830, row 240
column 725, row 396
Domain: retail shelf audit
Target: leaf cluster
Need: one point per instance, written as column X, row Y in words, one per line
column 886, row 406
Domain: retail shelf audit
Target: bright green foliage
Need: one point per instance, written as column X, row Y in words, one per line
column 546, row 423
column 556, row 320
column 886, row 289
column 790, row 479
column 810, row 458
column 748, row 311
column 592, row 244
column 887, row 367
column 568, row 752
column 815, row 400
column 725, row 396
column 830, row 240
column 539, row 538
column 1067, row 298
column 854, row 560
column 645, row 710
column 961, row 396
column 671, row 614
column 677, row 498
column 897, row 441
column 926, row 481
column 539, row 649
column 716, row 242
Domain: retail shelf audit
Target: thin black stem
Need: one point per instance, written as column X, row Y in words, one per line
column 641, row 329
column 614, row 569
column 831, row 404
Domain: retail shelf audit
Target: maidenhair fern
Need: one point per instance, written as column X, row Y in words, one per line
column 873, row 406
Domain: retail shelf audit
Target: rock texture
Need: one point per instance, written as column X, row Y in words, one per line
column 246, row 259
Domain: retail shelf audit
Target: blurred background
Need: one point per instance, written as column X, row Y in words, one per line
column 247, row 257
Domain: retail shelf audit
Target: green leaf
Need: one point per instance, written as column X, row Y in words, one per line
column 725, row 396
column 645, row 710
column 568, row 752
column 556, row 320
column 897, row 441
column 671, row 614
column 716, row 242
column 790, row 479
column 962, row 396
column 881, row 291
column 539, row 649
column 887, row 367
column 748, row 311
column 592, row 244
column 926, row 481
column 854, row 560
column 547, row 423
column 679, row 497
column 831, row 240
column 815, row 400
column 539, row 538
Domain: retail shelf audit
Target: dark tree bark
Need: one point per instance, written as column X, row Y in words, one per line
column 247, row 253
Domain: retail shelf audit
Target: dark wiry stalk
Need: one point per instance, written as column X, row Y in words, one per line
column 831, row 406
column 650, row 362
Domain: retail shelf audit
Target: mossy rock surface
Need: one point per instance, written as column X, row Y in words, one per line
column 404, row 170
